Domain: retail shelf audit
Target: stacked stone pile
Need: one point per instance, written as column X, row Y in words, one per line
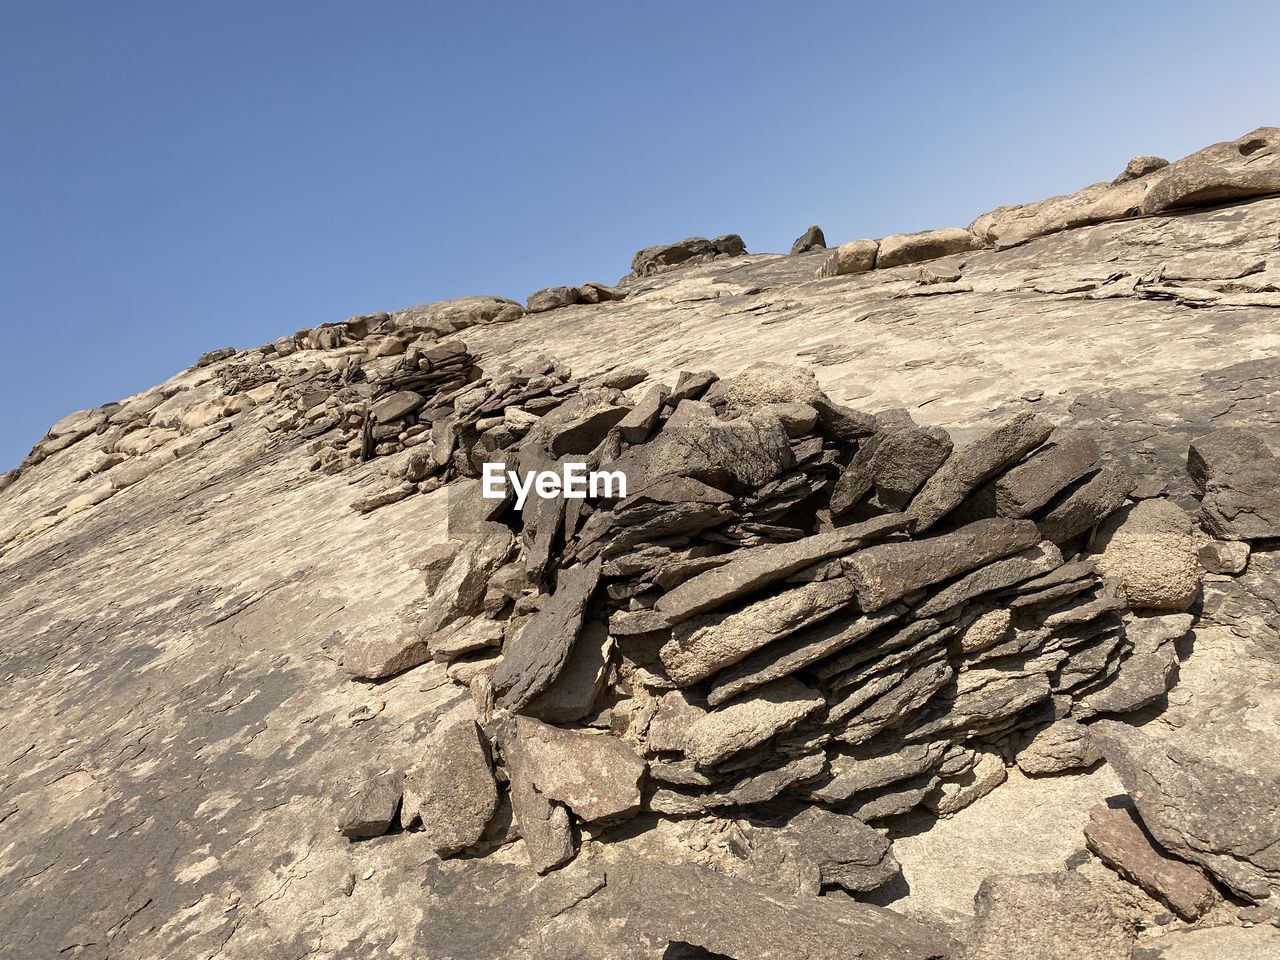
column 800, row 614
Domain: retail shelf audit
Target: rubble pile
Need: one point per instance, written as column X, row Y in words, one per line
column 799, row 613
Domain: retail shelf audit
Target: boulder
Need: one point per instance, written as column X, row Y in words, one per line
column 1236, row 473
column 970, row 466
column 1150, row 550
column 373, row 809
column 1229, row 557
column 1139, row 167
column 745, row 452
column 1046, row 916
column 553, row 298
column 811, row 239
column 890, row 571
column 447, row 316
column 857, row 256
column 901, row 248
column 1202, row 810
column 1063, row 745
column 1115, row 836
column 1259, row 942
column 535, row 658
column 766, row 382
column 384, row 651
column 595, row 775
column 453, row 792
column 827, row 848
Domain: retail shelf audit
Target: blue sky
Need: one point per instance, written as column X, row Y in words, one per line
column 184, row 176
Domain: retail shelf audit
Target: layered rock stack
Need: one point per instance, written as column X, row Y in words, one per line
column 796, row 606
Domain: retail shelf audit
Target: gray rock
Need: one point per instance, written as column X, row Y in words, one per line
column 1229, row 557
column 733, row 917
column 1139, row 167
column 840, row 849
column 1087, row 506
column 903, row 248
column 890, row 571
column 710, row 642
column 462, row 587
column 1047, row 916
column 595, row 775
column 397, row 406
column 954, row 793
column 1148, row 670
column 731, row 729
column 858, row 256
column 752, row 569
column 1030, row 485
column 639, row 422
column 971, row 465
column 385, row 651
column 868, row 768
column 601, row 293
column 999, row 575
column 543, row 824
column 1236, row 471
column 1115, row 836
column 453, row 792
column 745, row 452
column 1063, row 745
column 576, row 690
column 372, row 811
column 1199, row 809
column 811, row 239
column 535, row 658
column 553, row 298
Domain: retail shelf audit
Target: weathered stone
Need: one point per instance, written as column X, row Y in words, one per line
column 796, row 652
column 535, row 658
column 999, row 575
column 373, row 810
column 639, row 422
column 1149, row 669
column 1150, row 550
column 811, row 239
column 462, row 586
column 1139, row 167
column 955, row 793
column 447, row 316
column 601, row 293
column 841, row 850
column 857, row 256
column 752, row 569
column 745, row 452
column 1236, row 471
column 1030, row 485
column 903, row 248
column 1049, row 916
column 1228, row 557
column 866, row 769
column 453, row 792
column 755, row 788
column 1259, row 942
column 574, row 693
column 1061, row 746
column 1115, row 836
column 771, row 710
column 397, row 406
column 763, row 383
column 543, row 824
column 553, row 298
column 890, row 571
column 384, row 651
column 595, row 775
column 712, row 641
column 1087, row 506
column 971, row 465
column 733, row 917
column 1199, row 809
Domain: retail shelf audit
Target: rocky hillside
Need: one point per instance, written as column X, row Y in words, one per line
column 939, row 618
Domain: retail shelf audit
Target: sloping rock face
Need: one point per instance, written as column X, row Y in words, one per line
column 859, row 585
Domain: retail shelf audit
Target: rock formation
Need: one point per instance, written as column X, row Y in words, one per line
column 937, row 619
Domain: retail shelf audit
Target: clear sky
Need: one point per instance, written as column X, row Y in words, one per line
column 184, row 176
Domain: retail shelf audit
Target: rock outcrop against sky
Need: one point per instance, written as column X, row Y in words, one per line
column 938, row 619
